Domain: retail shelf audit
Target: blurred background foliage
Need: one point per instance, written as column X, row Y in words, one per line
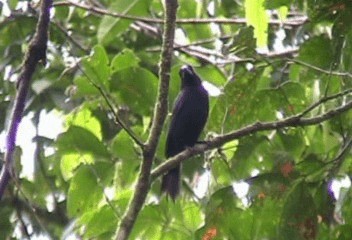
column 264, row 60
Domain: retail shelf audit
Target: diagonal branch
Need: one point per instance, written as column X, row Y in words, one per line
column 294, row 121
column 339, row 159
column 160, row 113
column 323, row 100
column 36, row 53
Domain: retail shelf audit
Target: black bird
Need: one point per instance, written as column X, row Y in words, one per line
column 189, row 116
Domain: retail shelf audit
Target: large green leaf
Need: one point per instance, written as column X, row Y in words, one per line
column 83, row 118
column 112, row 27
column 125, row 59
column 96, row 67
column 257, row 17
column 79, row 146
column 84, row 193
column 80, row 140
column 136, row 88
column 299, row 217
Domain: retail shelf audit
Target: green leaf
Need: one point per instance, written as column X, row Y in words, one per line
column 299, row 217
column 78, row 146
column 71, row 161
column 295, row 95
column 317, row 52
column 222, row 213
column 150, row 213
column 283, row 12
column 96, row 67
column 99, row 221
column 244, row 43
column 269, row 4
column 320, row 139
column 123, row 148
column 14, row 32
column 221, row 172
column 292, row 141
column 112, row 27
column 271, row 99
column 83, row 118
column 125, row 59
column 84, row 193
column 80, row 140
column 230, row 148
column 247, row 156
column 104, row 173
column 5, row 223
column 257, row 17
column 136, row 88
column 12, row 4
column 211, row 74
column 84, row 87
column 192, row 216
column 266, row 213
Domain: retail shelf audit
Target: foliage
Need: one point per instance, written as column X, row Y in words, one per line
column 84, row 178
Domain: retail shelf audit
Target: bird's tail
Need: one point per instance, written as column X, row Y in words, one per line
column 170, row 184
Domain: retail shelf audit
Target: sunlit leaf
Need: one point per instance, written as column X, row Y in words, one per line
column 84, row 183
column 257, row 17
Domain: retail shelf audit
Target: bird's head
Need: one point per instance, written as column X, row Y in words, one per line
column 189, row 77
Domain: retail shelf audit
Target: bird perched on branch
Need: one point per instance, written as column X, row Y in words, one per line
column 189, row 116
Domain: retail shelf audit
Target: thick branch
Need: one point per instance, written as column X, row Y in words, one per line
column 36, row 52
column 160, row 114
column 294, row 121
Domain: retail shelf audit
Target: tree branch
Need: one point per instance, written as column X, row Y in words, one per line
column 338, row 160
column 39, row 213
column 36, row 52
column 294, row 121
column 160, row 113
column 294, row 21
column 70, row 38
column 323, row 100
column 338, row 74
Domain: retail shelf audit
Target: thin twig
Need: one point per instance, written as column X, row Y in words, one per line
column 102, row 187
column 338, row 160
column 112, row 109
column 30, row 205
column 338, row 74
column 69, row 37
column 196, row 43
column 295, row 21
column 23, row 226
column 324, row 100
column 37, row 212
